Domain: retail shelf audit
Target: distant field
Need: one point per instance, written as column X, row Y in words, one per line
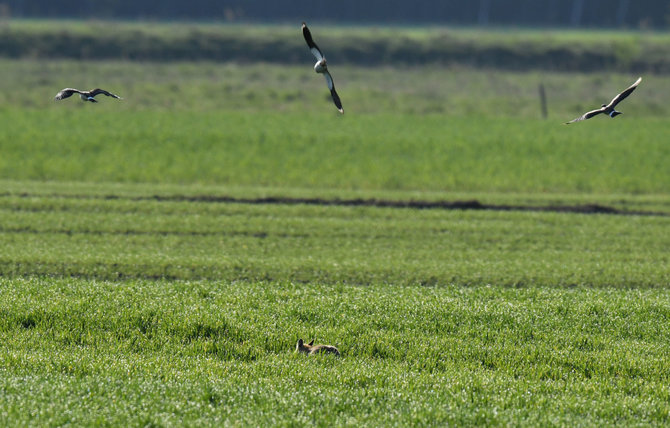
column 214, row 88
column 406, row 129
column 542, row 49
column 323, row 151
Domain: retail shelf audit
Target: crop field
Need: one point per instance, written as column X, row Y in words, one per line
column 475, row 263
column 275, row 126
column 125, row 307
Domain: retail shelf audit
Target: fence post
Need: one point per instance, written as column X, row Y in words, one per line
column 543, row 102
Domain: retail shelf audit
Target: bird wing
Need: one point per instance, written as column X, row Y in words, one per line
column 616, row 100
column 99, row 91
column 333, row 93
column 67, row 92
column 310, row 42
column 587, row 115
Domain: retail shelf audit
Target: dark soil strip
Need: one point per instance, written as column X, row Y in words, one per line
column 413, row 204
column 128, row 232
column 360, row 202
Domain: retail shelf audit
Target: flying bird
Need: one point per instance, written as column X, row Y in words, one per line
column 85, row 95
column 608, row 109
column 321, row 67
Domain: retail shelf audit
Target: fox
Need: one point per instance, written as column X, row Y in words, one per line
column 311, row 349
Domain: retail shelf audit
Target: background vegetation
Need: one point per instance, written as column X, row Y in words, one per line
column 599, row 13
column 557, row 50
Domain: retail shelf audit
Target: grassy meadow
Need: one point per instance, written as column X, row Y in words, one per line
column 173, row 353
column 275, row 126
column 160, row 255
column 120, row 308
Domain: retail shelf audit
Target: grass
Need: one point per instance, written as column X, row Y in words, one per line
column 208, row 352
column 121, row 237
column 372, row 152
column 455, row 130
column 144, row 282
column 262, row 87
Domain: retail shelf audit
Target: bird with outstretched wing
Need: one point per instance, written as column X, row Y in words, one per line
column 85, row 95
column 608, row 109
column 321, row 66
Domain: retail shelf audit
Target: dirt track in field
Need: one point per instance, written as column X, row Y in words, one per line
column 475, row 205
column 414, row 204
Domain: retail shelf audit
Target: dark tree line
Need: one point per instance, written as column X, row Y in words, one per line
column 560, row 13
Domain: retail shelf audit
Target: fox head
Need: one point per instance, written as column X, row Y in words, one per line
column 301, row 347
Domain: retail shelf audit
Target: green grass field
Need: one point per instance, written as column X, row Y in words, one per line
column 167, row 353
column 161, row 255
column 116, row 236
column 455, row 317
column 454, row 130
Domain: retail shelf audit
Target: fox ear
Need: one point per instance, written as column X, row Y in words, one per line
column 300, row 342
column 311, row 343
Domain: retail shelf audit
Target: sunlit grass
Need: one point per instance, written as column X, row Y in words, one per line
column 112, row 236
column 322, row 150
column 454, row 317
column 138, row 352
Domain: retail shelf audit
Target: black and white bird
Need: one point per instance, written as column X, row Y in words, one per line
column 321, row 67
column 608, row 109
column 85, row 95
